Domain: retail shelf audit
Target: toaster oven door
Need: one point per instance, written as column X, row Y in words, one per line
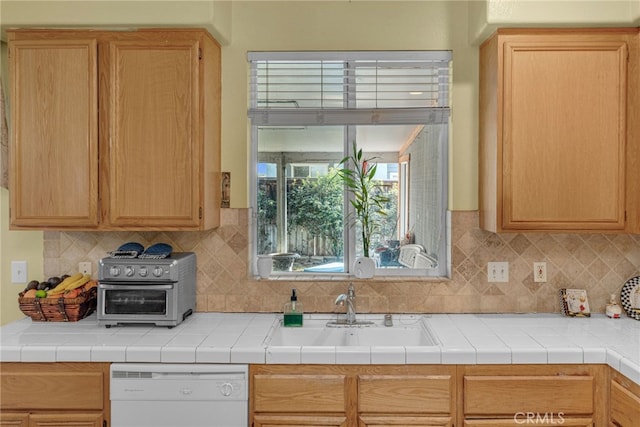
column 136, row 302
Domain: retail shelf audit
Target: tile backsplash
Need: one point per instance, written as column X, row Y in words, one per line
column 599, row 263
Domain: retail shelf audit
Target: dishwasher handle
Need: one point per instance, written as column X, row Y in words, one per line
column 195, row 376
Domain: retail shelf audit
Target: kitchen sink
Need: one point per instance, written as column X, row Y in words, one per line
column 407, row 330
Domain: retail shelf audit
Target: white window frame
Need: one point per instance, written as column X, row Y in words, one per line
column 328, row 117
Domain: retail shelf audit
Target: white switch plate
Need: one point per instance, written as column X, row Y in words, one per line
column 498, row 272
column 19, row 272
column 84, row 267
column 539, row 272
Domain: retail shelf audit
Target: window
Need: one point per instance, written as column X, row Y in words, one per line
column 307, row 109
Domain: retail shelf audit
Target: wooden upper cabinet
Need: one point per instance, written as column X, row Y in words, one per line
column 151, row 116
column 54, row 146
column 154, row 157
column 557, row 137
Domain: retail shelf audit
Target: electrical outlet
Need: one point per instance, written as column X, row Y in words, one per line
column 498, row 272
column 84, row 267
column 539, row 272
column 19, row 272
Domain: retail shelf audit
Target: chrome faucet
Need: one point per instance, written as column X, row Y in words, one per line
column 350, row 300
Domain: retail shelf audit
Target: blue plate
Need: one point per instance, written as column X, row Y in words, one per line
column 157, row 251
column 128, row 250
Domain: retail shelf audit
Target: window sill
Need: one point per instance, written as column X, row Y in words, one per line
column 348, row 277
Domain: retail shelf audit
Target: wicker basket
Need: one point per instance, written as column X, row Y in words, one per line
column 59, row 309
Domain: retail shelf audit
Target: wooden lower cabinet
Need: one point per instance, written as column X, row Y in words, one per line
column 512, row 395
column 571, row 395
column 51, row 420
column 54, row 394
column 352, row 395
column 299, row 420
column 398, row 420
column 624, row 406
column 532, row 420
column 406, row 399
column 9, row 419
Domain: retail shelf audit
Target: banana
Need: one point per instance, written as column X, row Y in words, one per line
column 63, row 285
column 80, row 278
column 85, row 278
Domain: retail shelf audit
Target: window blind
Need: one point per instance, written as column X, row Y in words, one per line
column 327, row 88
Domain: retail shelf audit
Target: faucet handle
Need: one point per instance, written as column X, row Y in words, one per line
column 388, row 320
column 351, row 290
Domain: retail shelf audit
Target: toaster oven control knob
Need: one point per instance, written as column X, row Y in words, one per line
column 143, row 272
column 114, row 270
column 129, row 271
column 158, row 271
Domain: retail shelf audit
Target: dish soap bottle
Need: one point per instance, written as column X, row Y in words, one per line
column 613, row 310
column 293, row 311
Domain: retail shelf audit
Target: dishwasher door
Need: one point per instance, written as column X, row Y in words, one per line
column 177, row 395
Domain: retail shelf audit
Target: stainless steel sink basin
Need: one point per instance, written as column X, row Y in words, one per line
column 407, row 330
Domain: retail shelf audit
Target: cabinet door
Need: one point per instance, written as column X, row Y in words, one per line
column 405, row 394
column 66, row 420
column 297, row 393
column 625, row 407
column 49, row 386
column 543, row 394
column 532, row 419
column 8, row 419
column 299, row 420
column 564, row 133
column 404, row 420
column 51, row 420
column 54, row 145
column 558, row 136
column 153, row 135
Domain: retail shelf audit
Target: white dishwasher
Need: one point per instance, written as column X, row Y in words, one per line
column 177, row 395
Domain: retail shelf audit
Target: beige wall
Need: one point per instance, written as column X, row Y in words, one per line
column 212, row 15
column 16, row 246
column 307, row 25
column 428, row 25
column 487, row 15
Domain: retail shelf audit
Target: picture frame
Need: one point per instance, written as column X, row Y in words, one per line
column 574, row 302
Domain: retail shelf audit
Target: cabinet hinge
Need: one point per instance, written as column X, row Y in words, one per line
column 104, row 423
column 200, row 53
column 200, row 213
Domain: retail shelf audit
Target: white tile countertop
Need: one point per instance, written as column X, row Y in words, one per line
column 241, row 338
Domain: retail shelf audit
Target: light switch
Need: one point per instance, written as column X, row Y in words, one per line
column 498, row 272
column 19, row 272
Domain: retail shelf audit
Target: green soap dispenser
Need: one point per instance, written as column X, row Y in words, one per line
column 293, row 311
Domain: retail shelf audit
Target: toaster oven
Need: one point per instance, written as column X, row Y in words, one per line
column 143, row 290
